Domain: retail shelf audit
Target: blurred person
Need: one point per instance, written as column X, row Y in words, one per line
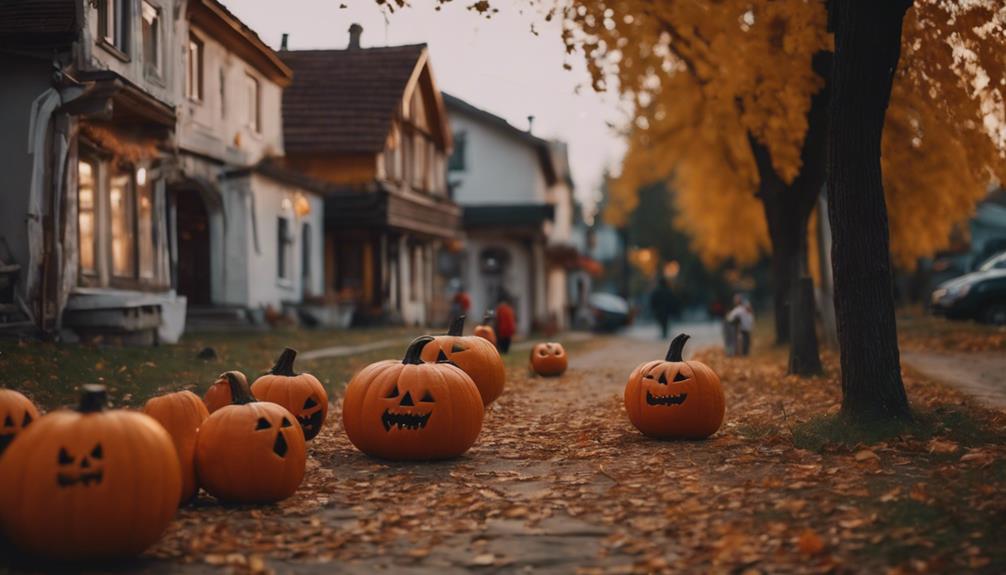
column 460, row 303
column 664, row 304
column 506, row 324
column 742, row 318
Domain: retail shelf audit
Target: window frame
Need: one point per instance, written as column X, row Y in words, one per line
column 284, row 245
column 253, row 93
column 155, row 68
column 195, row 69
column 114, row 27
column 95, row 164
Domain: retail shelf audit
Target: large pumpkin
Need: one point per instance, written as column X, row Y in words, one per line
column 16, row 413
column 549, row 359
column 474, row 355
column 485, row 329
column 412, row 410
column 300, row 393
column 219, row 394
column 181, row 414
column 89, row 484
column 675, row 399
column 250, row 451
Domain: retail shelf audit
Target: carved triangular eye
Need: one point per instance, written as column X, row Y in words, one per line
column 8, row 421
column 456, row 348
column 26, row 420
column 64, row 457
column 285, row 423
column 648, row 376
column 679, row 377
column 97, row 452
column 393, row 392
column 310, row 403
column 263, row 423
column 428, row 397
column 441, row 356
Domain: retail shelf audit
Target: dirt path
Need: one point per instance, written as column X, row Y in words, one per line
column 981, row 375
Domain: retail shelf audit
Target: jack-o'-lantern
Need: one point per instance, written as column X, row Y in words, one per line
column 412, row 410
column 485, row 329
column 90, row 483
column 250, row 451
column 300, row 393
column 181, row 414
column 219, row 394
column 474, row 355
column 675, row 399
column 549, row 359
column 16, row 413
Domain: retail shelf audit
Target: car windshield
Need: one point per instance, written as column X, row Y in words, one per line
column 994, row 263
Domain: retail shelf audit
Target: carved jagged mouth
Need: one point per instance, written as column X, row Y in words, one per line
column 404, row 420
column 65, row 480
column 311, row 424
column 669, row 399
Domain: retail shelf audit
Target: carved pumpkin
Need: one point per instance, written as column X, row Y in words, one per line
column 675, row 399
column 250, row 451
column 300, row 393
column 181, row 414
column 411, row 410
column 89, row 484
column 16, row 413
column 549, row 359
column 474, row 355
column 219, row 394
column 485, row 329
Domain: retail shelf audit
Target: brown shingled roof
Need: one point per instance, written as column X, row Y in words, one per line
column 37, row 21
column 343, row 101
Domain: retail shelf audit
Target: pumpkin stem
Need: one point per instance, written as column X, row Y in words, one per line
column 240, row 392
column 284, row 365
column 416, row 349
column 677, row 346
column 93, row 399
column 457, row 326
column 488, row 317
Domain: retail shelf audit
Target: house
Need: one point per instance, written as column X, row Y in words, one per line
column 371, row 124
column 516, row 192
column 248, row 230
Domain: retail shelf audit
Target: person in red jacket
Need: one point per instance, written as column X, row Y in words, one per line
column 506, row 324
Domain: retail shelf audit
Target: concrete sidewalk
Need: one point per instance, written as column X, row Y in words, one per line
column 981, row 375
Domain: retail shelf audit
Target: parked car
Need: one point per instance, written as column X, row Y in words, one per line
column 979, row 295
column 610, row 311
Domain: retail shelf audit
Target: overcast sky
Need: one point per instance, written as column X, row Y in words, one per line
column 497, row 64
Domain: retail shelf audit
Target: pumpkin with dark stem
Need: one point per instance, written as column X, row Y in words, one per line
column 474, row 355
column 89, row 484
column 412, row 410
column 181, row 414
column 219, row 394
column 675, row 399
column 300, row 393
column 549, row 359
column 250, row 451
column 485, row 329
column 16, row 413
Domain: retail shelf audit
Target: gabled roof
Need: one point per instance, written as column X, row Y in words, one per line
column 343, row 101
column 215, row 19
column 541, row 146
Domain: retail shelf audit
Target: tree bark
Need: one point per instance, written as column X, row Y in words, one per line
column 772, row 193
column 867, row 49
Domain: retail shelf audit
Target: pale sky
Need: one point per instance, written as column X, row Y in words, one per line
column 498, row 64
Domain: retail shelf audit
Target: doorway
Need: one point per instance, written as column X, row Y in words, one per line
column 193, row 227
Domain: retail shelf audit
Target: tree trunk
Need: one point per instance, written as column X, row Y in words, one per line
column 867, row 48
column 772, row 193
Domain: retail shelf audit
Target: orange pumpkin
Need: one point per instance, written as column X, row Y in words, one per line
column 675, row 399
column 89, row 484
column 485, row 329
column 181, row 414
column 474, row 355
column 250, row 451
column 412, row 410
column 300, row 393
column 219, row 394
column 549, row 359
column 16, row 413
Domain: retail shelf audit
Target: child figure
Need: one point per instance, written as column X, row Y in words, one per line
column 742, row 317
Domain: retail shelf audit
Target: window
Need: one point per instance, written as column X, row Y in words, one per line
column 113, row 23
column 194, row 70
column 223, row 93
column 151, row 29
column 305, row 246
column 121, row 217
column 254, row 106
column 283, row 243
column 145, row 225
column 457, row 161
column 86, row 188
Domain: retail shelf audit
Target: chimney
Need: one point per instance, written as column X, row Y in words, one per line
column 355, row 31
column 530, row 123
column 282, row 43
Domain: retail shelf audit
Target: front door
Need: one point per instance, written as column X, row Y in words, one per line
column 193, row 225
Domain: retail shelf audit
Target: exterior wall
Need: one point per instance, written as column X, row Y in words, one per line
column 499, row 168
column 560, row 230
column 353, row 169
column 516, row 278
column 558, row 289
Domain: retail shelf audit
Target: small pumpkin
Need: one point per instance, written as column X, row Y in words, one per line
column 675, row 399
column 300, row 393
column 16, row 413
column 181, row 414
column 412, row 410
column 485, row 329
column 250, row 451
column 549, row 359
column 89, row 484
column 474, row 355
column 219, row 394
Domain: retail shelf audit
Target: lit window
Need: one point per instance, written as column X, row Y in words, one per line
column 151, row 28
column 145, row 227
column 254, row 106
column 121, row 219
column 86, row 178
column 194, row 70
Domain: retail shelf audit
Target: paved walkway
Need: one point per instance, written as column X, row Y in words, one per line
column 980, row 375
